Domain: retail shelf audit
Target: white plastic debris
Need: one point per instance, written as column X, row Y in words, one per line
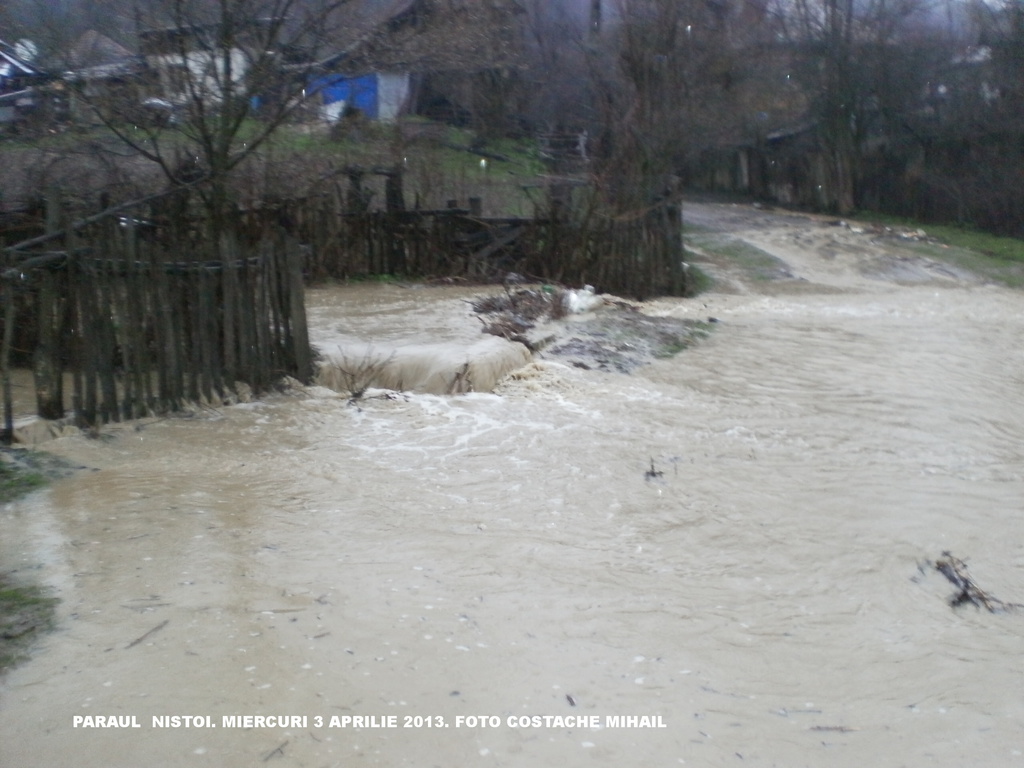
column 585, row 300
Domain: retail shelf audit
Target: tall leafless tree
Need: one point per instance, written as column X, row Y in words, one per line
column 230, row 73
column 667, row 92
column 847, row 55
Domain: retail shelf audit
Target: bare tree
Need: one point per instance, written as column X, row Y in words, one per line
column 978, row 158
column 1001, row 31
column 226, row 74
column 675, row 75
column 561, row 86
column 848, row 53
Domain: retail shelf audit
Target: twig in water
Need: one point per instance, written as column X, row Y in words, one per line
column 355, row 375
column 652, row 473
column 278, row 751
column 157, row 628
column 461, row 383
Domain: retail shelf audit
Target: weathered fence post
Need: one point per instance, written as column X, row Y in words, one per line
column 394, row 197
column 46, row 361
column 297, row 312
column 673, row 216
column 229, row 289
column 7, row 291
column 358, row 200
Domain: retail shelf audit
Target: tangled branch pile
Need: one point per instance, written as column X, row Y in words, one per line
column 511, row 314
column 955, row 570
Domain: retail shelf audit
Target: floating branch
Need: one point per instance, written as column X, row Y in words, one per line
column 157, row 628
column 276, row 752
column 652, row 473
column 955, row 570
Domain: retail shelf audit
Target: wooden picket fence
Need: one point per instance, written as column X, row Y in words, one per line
column 145, row 315
column 141, row 330
column 636, row 256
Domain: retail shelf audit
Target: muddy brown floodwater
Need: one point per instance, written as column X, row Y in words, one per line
column 730, row 539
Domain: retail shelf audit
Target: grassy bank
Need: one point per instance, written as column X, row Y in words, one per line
column 999, row 259
column 25, row 612
column 724, row 252
column 994, row 258
column 441, row 163
column 25, row 609
column 721, row 248
column 16, row 481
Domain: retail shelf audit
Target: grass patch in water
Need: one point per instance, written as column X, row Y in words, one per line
column 1000, row 259
column 25, row 612
column 673, row 338
column 729, row 251
column 698, row 281
column 16, row 481
column 992, row 268
column 23, row 471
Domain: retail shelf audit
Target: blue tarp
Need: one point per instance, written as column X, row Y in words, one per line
column 360, row 92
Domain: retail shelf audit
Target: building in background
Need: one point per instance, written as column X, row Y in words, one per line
column 19, row 82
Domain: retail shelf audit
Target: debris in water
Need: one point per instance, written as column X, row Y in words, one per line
column 955, row 570
column 157, row 628
column 623, row 341
column 652, row 473
column 525, row 305
column 620, row 340
column 278, row 751
column 515, row 313
column 579, row 302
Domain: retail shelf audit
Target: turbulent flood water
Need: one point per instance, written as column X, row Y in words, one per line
column 735, row 539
